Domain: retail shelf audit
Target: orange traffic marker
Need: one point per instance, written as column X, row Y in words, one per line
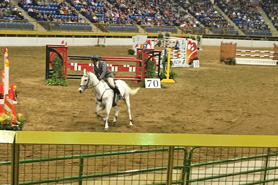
column 1, row 91
column 12, row 92
column 9, row 106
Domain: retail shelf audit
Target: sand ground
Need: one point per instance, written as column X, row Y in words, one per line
column 212, row 99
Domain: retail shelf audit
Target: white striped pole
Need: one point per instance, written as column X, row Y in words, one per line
column 6, row 80
column 3, row 72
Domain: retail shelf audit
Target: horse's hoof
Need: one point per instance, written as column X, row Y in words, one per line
column 114, row 123
column 106, row 129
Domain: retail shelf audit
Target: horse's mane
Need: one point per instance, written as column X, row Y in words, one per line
column 101, row 81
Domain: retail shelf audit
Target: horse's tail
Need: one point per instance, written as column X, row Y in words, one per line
column 134, row 91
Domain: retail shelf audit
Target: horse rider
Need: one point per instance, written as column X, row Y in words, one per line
column 103, row 73
column 177, row 45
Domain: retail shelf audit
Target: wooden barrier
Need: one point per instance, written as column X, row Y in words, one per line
column 228, row 50
column 248, row 57
column 123, row 64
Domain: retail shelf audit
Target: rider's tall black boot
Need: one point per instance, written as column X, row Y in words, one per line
column 116, row 90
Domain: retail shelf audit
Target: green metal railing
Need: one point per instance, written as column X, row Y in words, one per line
column 186, row 167
column 80, row 177
column 265, row 169
column 235, row 150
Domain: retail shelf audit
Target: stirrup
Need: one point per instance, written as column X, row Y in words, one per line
column 120, row 96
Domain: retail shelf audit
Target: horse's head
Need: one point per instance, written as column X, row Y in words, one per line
column 88, row 79
column 84, row 82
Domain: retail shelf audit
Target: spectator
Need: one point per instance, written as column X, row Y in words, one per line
column 1, row 14
column 19, row 15
column 244, row 14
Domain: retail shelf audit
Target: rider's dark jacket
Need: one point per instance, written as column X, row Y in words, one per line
column 101, row 70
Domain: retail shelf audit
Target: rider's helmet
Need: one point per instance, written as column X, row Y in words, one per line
column 94, row 58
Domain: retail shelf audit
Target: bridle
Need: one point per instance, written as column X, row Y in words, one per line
column 87, row 85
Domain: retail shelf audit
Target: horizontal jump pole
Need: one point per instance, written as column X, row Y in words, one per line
column 112, row 67
column 128, row 79
column 74, row 78
column 123, row 59
column 255, row 51
column 79, row 57
column 74, row 75
column 249, row 61
column 117, row 77
column 56, row 46
column 248, row 55
column 148, row 50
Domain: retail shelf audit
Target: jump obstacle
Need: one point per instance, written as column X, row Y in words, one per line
column 8, row 97
column 249, row 57
column 132, row 65
column 168, row 80
column 131, row 68
column 179, row 57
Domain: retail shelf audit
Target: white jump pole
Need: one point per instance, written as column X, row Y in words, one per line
column 5, row 77
column 6, row 80
column 3, row 72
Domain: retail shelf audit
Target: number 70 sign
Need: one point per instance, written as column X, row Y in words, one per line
column 152, row 83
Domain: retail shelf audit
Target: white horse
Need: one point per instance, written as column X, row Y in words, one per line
column 105, row 95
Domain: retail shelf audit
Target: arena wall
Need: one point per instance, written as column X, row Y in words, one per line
column 37, row 41
column 41, row 41
column 240, row 43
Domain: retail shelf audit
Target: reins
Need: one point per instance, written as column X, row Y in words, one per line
column 93, row 85
column 96, row 86
column 87, row 85
column 100, row 100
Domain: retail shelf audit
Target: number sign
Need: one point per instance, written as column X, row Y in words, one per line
column 152, row 83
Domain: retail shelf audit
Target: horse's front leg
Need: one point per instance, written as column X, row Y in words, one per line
column 99, row 108
column 106, row 118
column 116, row 114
